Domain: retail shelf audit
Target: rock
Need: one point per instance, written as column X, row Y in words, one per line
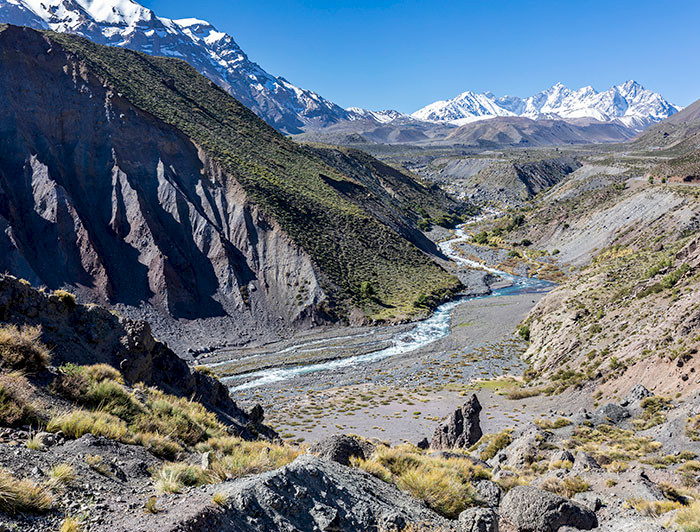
column 611, row 413
column 478, row 520
column 340, row 448
column 461, row 429
column 206, row 460
column 489, row 492
column 256, row 414
column 423, row 444
column 636, row 395
column 627, row 524
column 590, row 500
column 584, row 462
column 46, row 439
column 528, row 509
column 562, row 456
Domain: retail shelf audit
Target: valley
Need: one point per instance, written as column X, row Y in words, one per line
column 229, row 304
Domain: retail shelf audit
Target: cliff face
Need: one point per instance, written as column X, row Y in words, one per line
column 105, row 186
column 98, row 193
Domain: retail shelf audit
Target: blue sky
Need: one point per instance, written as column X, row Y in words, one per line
column 406, row 54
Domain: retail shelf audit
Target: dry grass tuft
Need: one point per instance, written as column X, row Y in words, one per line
column 22, row 496
column 71, row 524
column 81, row 422
column 61, row 475
column 688, row 518
column 16, row 408
column 21, row 349
column 220, row 499
column 443, row 483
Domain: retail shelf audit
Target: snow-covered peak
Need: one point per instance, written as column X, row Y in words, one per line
column 381, row 117
column 629, row 103
column 214, row 53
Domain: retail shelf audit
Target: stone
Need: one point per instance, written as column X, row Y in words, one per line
column 340, row 448
column 423, row 444
column 611, row 413
column 528, row 509
column 461, row 429
column 478, row 520
column 636, row 395
column 489, row 492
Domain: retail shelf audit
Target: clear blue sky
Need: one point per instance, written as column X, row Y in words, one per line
column 403, row 55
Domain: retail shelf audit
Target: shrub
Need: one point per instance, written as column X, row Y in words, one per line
column 443, row 483
column 159, row 445
column 71, row 524
column 220, row 499
column 692, row 428
column 16, row 408
column 523, row 393
column 72, row 382
column 81, row 422
column 21, row 348
column 497, row 442
column 524, row 332
column 66, row 298
column 22, row 496
column 112, row 397
column 688, row 518
column 61, row 475
column 568, row 487
column 247, row 458
column 103, row 372
column 548, row 424
column 173, row 476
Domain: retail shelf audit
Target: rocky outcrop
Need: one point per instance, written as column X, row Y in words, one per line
column 340, row 448
column 461, row 429
column 478, row 520
column 88, row 334
column 527, row 509
column 310, row 494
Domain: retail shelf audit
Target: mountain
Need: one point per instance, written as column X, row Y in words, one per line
column 629, row 104
column 521, row 131
column 137, row 182
column 126, row 24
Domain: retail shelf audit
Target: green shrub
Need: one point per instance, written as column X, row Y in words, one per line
column 524, row 332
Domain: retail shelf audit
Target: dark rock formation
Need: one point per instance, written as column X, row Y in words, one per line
column 528, row 509
column 461, row 429
column 340, row 448
column 308, row 495
column 610, row 413
column 87, row 334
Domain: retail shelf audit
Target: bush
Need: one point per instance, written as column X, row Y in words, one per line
column 71, row 524
column 22, row 496
column 15, row 406
column 159, row 445
column 21, row 348
column 61, row 475
column 524, row 332
column 66, row 298
column 81, row 422
column 443, row 483
column 113, row 398
column 497, row 442
column 688, row 519
column 103, row 372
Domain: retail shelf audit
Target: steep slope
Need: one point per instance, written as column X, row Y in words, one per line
column 629, row 104
column 215, row 54
column 144, row 182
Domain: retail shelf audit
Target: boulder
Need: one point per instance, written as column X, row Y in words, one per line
column 478, row 520
column 636, row 395
column 423, row 444
column 562, row 456
column 340, row 448
column 528, row 509
column 461, row 429
column 610, row 413
column 523, row 450
column 489, row 492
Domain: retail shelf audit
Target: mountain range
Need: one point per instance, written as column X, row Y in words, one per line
column 215, row 54
column 293, row 110
column 629, row 104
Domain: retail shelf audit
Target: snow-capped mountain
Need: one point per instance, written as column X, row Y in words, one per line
column 381, row 117
column 215, row 54
column 629, row 104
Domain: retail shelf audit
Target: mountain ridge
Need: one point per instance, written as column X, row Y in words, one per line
column 630, row 104
column 127, row 24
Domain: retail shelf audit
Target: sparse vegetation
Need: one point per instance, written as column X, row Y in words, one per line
column 22, row 495
column 496, row 443
column 71, row 524
column 16, row 407
column 443, row 483
column 21, row 349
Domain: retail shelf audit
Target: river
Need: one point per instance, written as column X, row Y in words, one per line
column 423, row 333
